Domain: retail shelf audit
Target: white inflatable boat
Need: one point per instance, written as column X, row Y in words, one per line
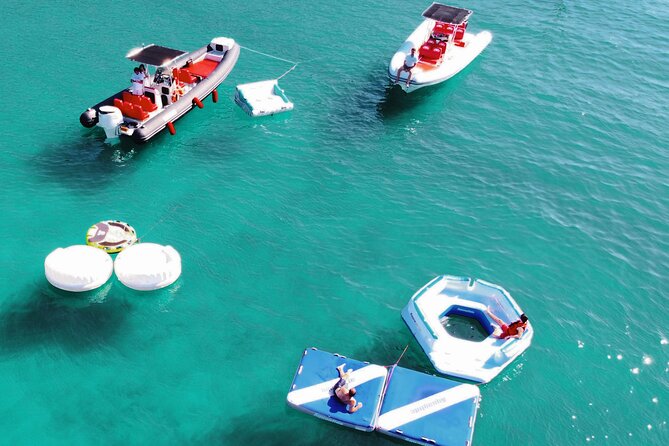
column 262, row 98
column 443, row 46
column 449, row 319
column 78, row 268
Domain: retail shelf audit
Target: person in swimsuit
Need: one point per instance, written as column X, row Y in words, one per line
column 409, row 63
column 344, row 392
column 513, row 330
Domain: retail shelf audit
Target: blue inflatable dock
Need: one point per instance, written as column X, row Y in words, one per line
column 311, row 391
column 416, row 407
column 428, row 409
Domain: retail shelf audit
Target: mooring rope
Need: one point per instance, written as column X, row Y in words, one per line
column 295, row 64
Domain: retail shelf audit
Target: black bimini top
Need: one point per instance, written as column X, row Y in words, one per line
column 447, row 14
column 154, row 55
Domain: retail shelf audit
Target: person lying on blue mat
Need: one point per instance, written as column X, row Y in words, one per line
column 344, row 392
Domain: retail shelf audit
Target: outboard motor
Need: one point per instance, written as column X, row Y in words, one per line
column 111, row 119
column 89, row 118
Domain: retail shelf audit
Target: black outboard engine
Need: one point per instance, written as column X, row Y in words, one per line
column 89, row 118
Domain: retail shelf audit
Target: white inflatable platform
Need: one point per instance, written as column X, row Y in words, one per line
column 148, row 266
column 437, row 312
column 78, row 268
column 262, row 98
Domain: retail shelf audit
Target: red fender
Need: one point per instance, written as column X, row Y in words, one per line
column 198, row 102
column 171, row 128
column 214, row 96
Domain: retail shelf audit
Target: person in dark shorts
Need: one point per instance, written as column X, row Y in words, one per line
column 409, row 63
column 344, row 392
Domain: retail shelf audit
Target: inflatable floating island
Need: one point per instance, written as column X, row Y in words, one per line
column 453, row 319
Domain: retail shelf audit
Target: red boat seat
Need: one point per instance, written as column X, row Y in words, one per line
column 442, row 29
column 459, row 33
column 118, row 104
column 184, row 76
column 146, row 104
column 136, row 112
column 430, row 52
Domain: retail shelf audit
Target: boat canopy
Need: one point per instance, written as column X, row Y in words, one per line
column 155, row 55
column 447, row 14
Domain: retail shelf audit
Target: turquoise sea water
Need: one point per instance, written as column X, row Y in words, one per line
column 542, row 167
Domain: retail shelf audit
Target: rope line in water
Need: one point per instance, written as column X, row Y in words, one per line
column 295, row 64
column 268, row 55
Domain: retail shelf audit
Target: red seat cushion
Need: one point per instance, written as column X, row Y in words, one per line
column 118, row 103
column 443, row 29
column 203, row 68
column 127, row 96
column 459, row 33
column 429, row 51
column 186, row 77
column 147, row 105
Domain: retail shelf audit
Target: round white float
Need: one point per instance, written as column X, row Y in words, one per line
column 78, row 268
column 147, row 266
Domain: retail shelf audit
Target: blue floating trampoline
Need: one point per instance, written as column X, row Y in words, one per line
column 427, row 409
column 311, row 391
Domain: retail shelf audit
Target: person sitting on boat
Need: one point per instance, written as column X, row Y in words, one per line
column 344, row 392
column 137, row 83
column 513, row 330
column 409, row 63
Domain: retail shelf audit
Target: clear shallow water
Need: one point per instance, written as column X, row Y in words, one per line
column 542, row 167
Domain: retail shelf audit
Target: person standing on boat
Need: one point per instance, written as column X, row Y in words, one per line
column 344, row 392
column 137, row 83
column 409, row 63
column 147, row 79
column 513, row 330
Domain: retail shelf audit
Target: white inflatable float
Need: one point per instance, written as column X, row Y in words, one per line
column 148, row 266
column 78, row 268
column 262, row 98
column 449, row 319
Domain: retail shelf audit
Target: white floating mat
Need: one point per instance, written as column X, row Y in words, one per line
column 78, row 268
column 428, row 409
column 148, row 266
column 311, row 391
column 262, row 98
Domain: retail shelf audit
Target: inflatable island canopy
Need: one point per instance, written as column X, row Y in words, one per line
column 403, row 403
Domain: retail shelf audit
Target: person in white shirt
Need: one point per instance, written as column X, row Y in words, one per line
column 145, row 73
column 137, row 83
column 410, row 62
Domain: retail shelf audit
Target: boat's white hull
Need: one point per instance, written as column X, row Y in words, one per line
column 454, row 60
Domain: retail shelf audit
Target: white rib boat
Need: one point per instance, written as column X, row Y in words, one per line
column 444, row 47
